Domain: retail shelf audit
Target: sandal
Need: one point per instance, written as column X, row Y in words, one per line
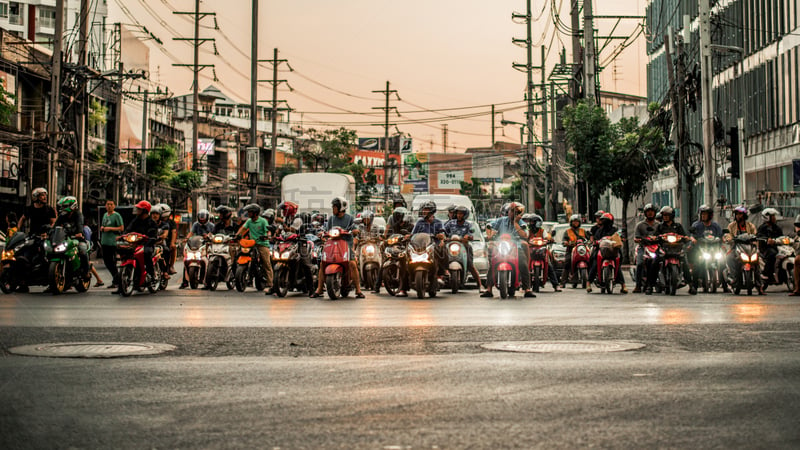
column 99, row 283
column 360, row 295
column 315, row 295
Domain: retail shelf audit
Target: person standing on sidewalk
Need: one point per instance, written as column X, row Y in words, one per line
column 110, row 228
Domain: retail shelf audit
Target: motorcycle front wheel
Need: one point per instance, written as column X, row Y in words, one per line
column 193, row 274
column 455, row 281
column 126, row 281
column 608, row 279
column 57, row 281
column 82, row 284
column 748, row 281
column 789, row 277
column 419, row 283
column 155, row 282
column 240, row 278
column 391, row 279
column 333, row 284
column 8, row 283
column 503, row 283
column 281, row 282
column 212, row 275
column 537, row 278
column 584, row 278
column 674, row 279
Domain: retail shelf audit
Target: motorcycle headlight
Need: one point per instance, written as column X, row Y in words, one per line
column 131, row 238
column 369, row 250
column 718, row 255
column 246, row 249
column 537, row 242
column 285, row 255
column 62, row 247
column 193, row 255
column 672, row 239
column 276, row 254
column 217, row 239
column 419, row 257
column 582, row 251
column 754, row 258
column 744, row 257
column 392, row 240
column 505, row 247
column 333, row 233
column 706, row 256
column 454, row 249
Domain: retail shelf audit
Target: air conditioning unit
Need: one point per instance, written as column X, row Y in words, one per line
column 253, row 159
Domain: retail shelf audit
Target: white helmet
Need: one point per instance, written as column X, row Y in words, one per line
column 770, row 212
column 36, row 192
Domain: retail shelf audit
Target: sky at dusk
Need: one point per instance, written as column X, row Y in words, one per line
column 454, row 56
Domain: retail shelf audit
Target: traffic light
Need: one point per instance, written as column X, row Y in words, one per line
column 733, row 155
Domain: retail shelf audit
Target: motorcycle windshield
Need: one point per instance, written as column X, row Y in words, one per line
column 743, row 238
column 420, row 241
column 57, row 235
column 16, row 240
column 195, row 242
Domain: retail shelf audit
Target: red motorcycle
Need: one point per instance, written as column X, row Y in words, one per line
column 336, row 256
column 581, row 253
column 539, row 261
column 505, row 266
column 607, row 265
column 132, row 273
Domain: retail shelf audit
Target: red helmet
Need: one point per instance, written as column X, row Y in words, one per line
column 607, row 216
column 144, row 205
column 289, row 208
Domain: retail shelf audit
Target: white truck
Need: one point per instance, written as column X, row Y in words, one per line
column 314, row 191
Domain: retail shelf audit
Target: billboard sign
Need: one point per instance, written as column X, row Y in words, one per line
column 450, row 179
column 415, row 173
column 205, row 147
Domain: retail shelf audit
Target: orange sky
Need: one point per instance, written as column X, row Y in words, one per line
column 438, row 54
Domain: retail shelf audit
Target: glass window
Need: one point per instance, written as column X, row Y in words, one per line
column 4, row 10
column 47, row 17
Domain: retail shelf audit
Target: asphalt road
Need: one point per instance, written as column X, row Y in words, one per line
column 254, row 371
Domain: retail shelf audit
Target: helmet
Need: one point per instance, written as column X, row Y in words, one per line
column 165, row 209
column 430, row 206
column 38, row 191
column 599, row 214
column 650, row 207
column 318, row 217
column 769, row 212
column 268, row 214
column 667, row 210
column 156, row 209
column 398, row 201
column 451, row 208
column 289, row 209
column 224, row 212
column 513, row 205
column 67, row 204
column 607, row 217
column 203, row 214
column 339, row 203
column 399, row 213
column 252, row 208
column 574, row 217
column 462, row 209
column 705, row 209
column 367, row 215
column 742, row 210
column 797, row 221
column 534, row 220
column 144, row 205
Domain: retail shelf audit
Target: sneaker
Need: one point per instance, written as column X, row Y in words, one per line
column 692, row 290
column 529, row 294
column 588, row 289
column 402, row 294
column 487, row 294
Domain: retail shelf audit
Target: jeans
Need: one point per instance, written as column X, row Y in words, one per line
column 110, row 260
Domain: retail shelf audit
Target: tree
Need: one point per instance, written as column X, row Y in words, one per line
column 7, row 105
column 185, row 182
column 329, row 150
column 590, row 134
column 160, row 161
column 639, row 152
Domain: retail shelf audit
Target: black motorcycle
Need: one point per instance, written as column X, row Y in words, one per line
column 393, row 268
column 745, row 263
column 288, row 265
column 24, row 263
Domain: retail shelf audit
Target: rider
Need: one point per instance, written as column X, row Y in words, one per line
column 428, row 223
column 598, row 223
column 170, row 250
column 257, row 229
column 225, row 224
column 512, row 225
column 668, row 225
column 741, row 225
column 288, row 210
column 38, row 213
column 644, row 229
column 606, row 229
column 571, row 237
column 72, row 220
column 769, row 231
column 704, row 225
column 463, row 228
column 340, row 219
column 142, row 223
column 399, row 223
column 534, row 222
column 796, row 291
column 203, row 226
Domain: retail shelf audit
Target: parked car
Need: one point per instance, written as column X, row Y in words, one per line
column 558, row 250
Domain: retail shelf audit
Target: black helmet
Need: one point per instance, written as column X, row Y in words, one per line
column 705, row 209
column 252, row 208
column 534, row 220
column 224, row 212
column 667, row 210
column 399, row 213
column 650, row 207
column 339, row 202
column 451, row 208
column 462, row 209
column 203, row 215
column 398, row 201
column 430, row 206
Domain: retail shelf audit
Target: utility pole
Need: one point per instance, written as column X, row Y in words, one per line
column 145, row 147
column 577, row 55
column 55, row 106
column 589, row 55
column 196, row 68
column 81, row 129
column 678, row 94
column 548, row 177
column 387, row 92
column 528, row 178
column 709, row 165
column 444, row 137
column 117, row 130
column 254, row 77
column 274, row 139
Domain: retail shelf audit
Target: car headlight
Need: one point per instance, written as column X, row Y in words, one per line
column 62, row 247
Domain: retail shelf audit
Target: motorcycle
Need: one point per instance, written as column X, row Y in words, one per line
column 457, row 262
column 581, row 253
column 650, row 246
column 132, row 273
column 671, row 250
column 505, row 266
column 64, row 262
column 709, row 266
column 220, row 267
column 421, row 264
column 784, row 263
column 539, row 261
column 336, row 256
column 23, row 259
column 746, row 252
column 394, row 255
column 370, row 262
column 195, row 259
column 287, row 265
column 607, row 265
column 248, row 267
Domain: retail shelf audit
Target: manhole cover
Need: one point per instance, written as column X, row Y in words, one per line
column 562, row 346
column 92, row 349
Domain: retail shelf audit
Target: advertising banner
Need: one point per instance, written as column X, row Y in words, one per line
column 205, row 147
column 397, row 144
column 415, row 173
column 376, row 160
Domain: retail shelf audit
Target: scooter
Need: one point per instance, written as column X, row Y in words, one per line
column 709, row 267
column 539, row 261
column 248, row 267
column 784, row 263
column 336, row 256
column 422, row 267
column 220, row 267
column 581, row 253
column 393, row 268
column 457, row 262
column 370, row 261
column 746, row 261
column 132, row 273
column 607, row 265
column 505, row 266
column 24, row 263
column 195, row 259
column 64, row 262
column 671, row 250
column 287, row 265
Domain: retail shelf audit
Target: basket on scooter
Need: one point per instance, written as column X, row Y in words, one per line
column 608, row 249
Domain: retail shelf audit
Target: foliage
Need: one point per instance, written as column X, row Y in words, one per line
column 160, row 161
column 590, row 134
column 97, row 114
column 7, row 105
column 186, row 181
column 329, row 150
column 98, row 154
